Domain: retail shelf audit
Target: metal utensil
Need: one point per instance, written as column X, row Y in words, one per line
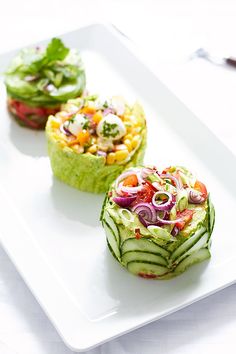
column 203, row 53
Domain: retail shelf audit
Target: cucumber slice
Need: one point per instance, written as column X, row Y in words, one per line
column 182, row 199
column 111, row 223
column 146, row 269
column 111, row 239
column 143, row 256
column 211, row 215
column 143, row 244
column 188, row 243
column 201, row 243
column 196, row 257
column 160, row 232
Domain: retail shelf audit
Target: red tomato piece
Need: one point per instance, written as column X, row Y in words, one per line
column 186, row 216
column 131, row 181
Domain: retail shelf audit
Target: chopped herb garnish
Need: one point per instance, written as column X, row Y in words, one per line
column 105, row 104
column 110, row 130
column 86, row 124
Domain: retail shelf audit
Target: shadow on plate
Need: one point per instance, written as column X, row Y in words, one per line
column 27, row 141
column 75, row 205
column 140, row 296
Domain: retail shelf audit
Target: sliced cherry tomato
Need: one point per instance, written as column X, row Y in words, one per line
column 186, row 216
column 199, row 186
column 131, row 181
column 33, row 117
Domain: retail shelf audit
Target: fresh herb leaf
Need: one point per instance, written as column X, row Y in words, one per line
column 56, row 50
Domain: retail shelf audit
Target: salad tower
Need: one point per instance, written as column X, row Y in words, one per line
column 158, row 223
column 91, row 141
column 39, row 79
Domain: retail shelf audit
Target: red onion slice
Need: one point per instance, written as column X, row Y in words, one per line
column 64, row 130
column 168, row 222
column 195, row 197
column 164, row 206
column 172, row 178
column 124, row 201
column 146, row 211
column 120, row 189
column 107, row 111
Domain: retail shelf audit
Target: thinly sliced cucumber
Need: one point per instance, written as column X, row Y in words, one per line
column 111, row 223
column 143, row 256
column 211, row 215
column 143, row 244
column 184, row 247
column 146, row 269
column 196, row 257
column 111, row 239
column 201, row 243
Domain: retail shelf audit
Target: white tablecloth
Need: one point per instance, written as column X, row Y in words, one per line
column 167, row 31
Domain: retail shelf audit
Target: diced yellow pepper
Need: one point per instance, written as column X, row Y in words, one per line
column 111, row 158
column 83, row 137
column 121, row 155
column 88, row 110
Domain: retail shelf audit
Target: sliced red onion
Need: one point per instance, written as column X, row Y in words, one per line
column 168, row 222
column 120, row 189
column 64, row 130
column 146, row 171
column 108, row 110
column 172, row 178
column 101, row 153
column 175, row 231
column 195, row 197
column 124, row 201
column 146, row 211
column 164, row 206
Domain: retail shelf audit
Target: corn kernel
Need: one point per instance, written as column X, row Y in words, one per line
column 97, row 117
column 55, row 123
column 120, row 147
column 128, row 144
column 121, row 155
column 92, row 149
column 135, row 141
column 128, row 136
column 111, row 158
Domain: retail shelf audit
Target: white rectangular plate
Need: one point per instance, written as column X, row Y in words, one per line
column 52, row 232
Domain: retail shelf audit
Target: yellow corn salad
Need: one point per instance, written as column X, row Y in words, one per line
column 89, row 125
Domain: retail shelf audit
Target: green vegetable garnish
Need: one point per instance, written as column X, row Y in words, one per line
column 45, row 77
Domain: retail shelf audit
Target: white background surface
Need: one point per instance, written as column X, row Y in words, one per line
column 166, row 32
